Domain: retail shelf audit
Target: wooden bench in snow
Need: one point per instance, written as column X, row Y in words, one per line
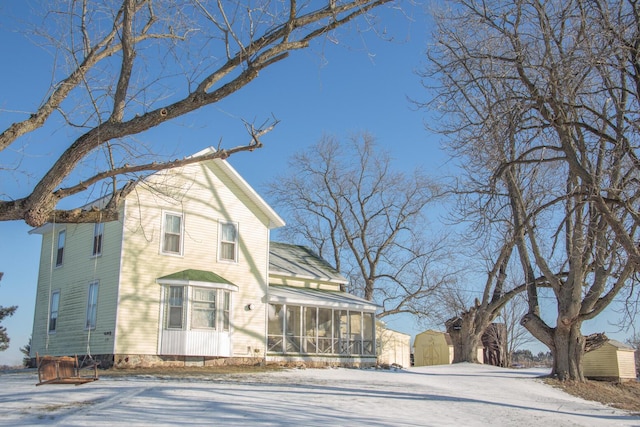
column 63, row 370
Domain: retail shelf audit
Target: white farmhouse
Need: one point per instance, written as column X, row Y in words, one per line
column 188, row 276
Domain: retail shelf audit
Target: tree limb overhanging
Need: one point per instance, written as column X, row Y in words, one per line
column 108, row 71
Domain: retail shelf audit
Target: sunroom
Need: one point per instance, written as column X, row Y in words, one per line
column 303, row 321
column 195, row 314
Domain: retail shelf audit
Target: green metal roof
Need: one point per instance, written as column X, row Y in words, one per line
column 195, row 276
column 300, row 261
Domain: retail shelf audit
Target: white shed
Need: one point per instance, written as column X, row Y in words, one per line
column 394, row 348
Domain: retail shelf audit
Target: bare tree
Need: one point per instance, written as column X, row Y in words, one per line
column 473, row 318
column 634, row 342
column 124, row 67
column 517, row 335
column 543, row 96
column 346, row 201
column 5, row 312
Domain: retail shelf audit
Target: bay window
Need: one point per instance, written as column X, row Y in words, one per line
column 190, row 308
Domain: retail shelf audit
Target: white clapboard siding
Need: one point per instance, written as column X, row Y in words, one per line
column 72, row 279
column 204, row 196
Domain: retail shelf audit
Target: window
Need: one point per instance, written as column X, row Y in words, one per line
column 92, row 306
column 175, row 307
column 53, row 311
column 318, row 330
column 60, row 252
column 190, row 307
column 228, row 241
column 172, row 239
column 226, row 305
column 203, row 314
column 98, row 231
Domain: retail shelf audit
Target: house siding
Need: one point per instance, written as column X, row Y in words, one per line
column 394, row 348
column 133, row 274
column 300, row 282
column 72, row 279
column 610, row 362
column 204, row 196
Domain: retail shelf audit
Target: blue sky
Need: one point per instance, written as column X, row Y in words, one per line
column 360, row 84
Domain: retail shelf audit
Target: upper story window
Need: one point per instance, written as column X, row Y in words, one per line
column 60, row 252
column 228, row 245
column 92, row 306
column 53, row 311
column 172, row 233
column 98, row 232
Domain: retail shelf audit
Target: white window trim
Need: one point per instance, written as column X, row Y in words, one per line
column 184, row 317
column 164, row 220
column 187, row 305
column 53, row 331
column 97, row 285
column 93, row 239
column 64, row 247
column 237, row 243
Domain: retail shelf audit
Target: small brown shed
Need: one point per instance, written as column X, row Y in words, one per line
column 432, row 348
column 613, row 361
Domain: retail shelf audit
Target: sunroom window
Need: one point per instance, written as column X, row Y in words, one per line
column 318, row 330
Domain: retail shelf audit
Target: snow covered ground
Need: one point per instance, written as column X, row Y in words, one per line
column 448, row 395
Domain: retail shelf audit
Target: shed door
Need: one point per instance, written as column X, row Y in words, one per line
column 431, row 353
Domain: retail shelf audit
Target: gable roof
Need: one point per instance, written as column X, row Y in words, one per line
column 275, row 221
column 301, row 262
column 619, row 345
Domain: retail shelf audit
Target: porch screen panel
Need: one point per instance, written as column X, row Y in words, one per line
column 275, row 327
column 355, row 333
column 293, row 329
column 341, row 331
column 310, row 343
column 325, row 330
column 368, row 328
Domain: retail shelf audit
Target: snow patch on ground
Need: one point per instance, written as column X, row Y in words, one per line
column 445, row 395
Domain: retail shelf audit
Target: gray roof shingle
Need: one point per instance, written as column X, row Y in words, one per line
column 300, row 261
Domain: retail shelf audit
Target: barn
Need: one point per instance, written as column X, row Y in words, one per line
column 614, row 361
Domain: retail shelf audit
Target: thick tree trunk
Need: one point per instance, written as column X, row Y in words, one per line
column 566, row 343
column 567, row 359
column 466, row 334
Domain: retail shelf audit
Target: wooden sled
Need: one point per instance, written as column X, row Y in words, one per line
column 63, row 370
